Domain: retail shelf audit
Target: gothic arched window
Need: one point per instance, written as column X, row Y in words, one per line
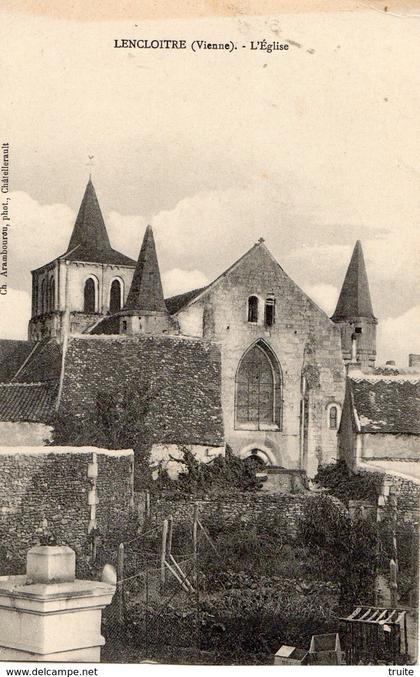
column 89, row 296
column 258, row 389
column 115, row 296
column 253, row 309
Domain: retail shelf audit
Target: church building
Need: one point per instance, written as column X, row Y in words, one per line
column 249, row 360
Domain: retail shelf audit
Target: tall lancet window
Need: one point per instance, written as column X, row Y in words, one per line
column 43, row 297
column 51, row 294
column 258, row 403
column 89, row 296
column 253, row 309
column 115, row 299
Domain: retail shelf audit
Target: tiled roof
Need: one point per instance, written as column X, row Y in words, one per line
column 182, row 375
column 33, row 402
column 44, row 364
column 108, row 325
column 354, row 300
column 89, row 240
column 85, row 253
column 390, row 404
column 12, row 355
column 175, row 303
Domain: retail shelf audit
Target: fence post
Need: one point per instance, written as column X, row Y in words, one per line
column 196, row 576
column 163, row 555
column 170, row 529
column 146, row 616
column 120, row 584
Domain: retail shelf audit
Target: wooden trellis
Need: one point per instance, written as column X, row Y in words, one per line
column 375, row 635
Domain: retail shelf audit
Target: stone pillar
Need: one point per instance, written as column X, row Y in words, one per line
column 49, row 615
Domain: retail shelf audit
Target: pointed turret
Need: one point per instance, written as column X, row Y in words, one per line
column 354, row 314
column 354, row 300
column 89, row 231
column 145, row 310
column 146, row 288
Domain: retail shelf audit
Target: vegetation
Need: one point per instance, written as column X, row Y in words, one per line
column 120, row 421
column 221, row 474
column 346, row 546
column 347, row 485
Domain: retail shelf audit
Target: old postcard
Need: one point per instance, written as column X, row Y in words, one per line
column 209, row 334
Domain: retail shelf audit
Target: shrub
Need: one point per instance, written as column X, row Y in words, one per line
column 347, row 485
column 346, row 546
column 223, row 473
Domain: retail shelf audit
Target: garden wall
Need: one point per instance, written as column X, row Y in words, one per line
column 246, row 507
column 69, row 487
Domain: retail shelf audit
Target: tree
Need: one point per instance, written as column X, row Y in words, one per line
column 121, row 421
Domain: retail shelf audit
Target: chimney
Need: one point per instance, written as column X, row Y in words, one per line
column 414, row 360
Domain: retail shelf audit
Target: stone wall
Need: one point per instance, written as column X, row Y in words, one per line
column 408, row 495
column 283, row 511
column 52, row 484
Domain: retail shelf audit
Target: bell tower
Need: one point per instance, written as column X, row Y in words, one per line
column 74, row 291
column 354, row 314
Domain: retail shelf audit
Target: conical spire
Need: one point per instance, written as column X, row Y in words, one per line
column 354, row 300
column 89, row 232
column 146, row 292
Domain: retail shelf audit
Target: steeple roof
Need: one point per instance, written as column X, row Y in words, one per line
column 146, row 287
column 354, row 300
column 89, row 240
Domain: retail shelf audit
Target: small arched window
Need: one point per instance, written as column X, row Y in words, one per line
column 115, row 298
column 43, row 297
column 333, row 417
column 253, row 309
column 89, row 296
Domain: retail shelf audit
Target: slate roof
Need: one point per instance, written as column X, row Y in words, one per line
column 388, row 404
column 354, row 299
column 146, row 286
column 89, row 240
column 175, row 303
column 12, row 355
column 182, row 375
column 33, row 402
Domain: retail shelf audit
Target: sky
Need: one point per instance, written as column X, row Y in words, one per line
column 311, row 149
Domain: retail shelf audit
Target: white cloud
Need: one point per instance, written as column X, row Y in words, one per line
column 177, row 281
column 39, row 233
column 126, row 232
column 15, row 311
column 399, row 336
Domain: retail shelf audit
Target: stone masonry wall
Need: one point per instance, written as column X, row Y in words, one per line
column 408, row 498
column 283, row 511
column 52, row 484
